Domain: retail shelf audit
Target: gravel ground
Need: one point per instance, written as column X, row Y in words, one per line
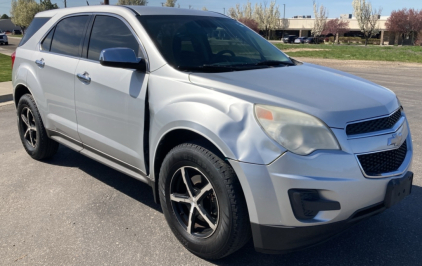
column 71, row 210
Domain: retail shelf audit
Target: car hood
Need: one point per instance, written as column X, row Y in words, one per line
column 333, row 96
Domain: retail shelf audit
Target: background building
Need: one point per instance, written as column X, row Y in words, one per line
column 7, row 24
column 302, row 26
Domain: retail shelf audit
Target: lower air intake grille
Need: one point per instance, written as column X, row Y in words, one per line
column 383, row 162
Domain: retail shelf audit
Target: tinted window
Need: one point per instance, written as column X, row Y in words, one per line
column 195, row 43
column 68, row 35
column 110, row 32
column 46, row 43
column 35, row 25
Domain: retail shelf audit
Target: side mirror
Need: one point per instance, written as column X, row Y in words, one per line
column 122, row 58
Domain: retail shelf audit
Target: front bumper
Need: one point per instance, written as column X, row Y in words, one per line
column 337, row 177
column 282, row 239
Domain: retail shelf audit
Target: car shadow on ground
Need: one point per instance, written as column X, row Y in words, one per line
column 393, row 237
column 121, row 182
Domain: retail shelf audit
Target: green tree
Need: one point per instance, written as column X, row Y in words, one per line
column 4, row 16
column 170, row 3
column 23, row 11
column 132, row 3
column 47, row 5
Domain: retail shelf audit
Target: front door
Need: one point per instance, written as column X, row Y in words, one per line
column 110, row 102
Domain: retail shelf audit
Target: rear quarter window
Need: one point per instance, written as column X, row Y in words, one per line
column 35, row 25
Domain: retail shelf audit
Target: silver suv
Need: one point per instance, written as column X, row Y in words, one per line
column 220, row 123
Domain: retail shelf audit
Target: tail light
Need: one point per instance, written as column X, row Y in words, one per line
column 13, row 58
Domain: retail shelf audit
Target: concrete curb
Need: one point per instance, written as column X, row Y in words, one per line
column 6, row 103
column 6, row 91
column 6, row 98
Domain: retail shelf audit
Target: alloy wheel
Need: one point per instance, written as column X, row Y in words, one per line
column 29, row 127
column 194, row 202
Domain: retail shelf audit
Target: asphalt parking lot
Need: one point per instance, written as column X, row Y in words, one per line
column 71, row 210
column 13, row 44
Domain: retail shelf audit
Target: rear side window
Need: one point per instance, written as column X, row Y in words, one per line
column 35, row 25
column 110, row 32
column 68, row 35
column 46, row 43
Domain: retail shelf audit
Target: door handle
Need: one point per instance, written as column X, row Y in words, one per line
column 40, row 63
column 84, row 77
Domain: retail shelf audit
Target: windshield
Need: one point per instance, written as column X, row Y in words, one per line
column 211, row 44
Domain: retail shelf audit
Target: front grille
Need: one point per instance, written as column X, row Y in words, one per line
column 374, row 125
column 383, row 162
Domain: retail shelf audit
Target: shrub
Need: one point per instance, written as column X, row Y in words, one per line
column 252, row 24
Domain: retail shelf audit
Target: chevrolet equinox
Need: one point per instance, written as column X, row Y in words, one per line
column 222, row 125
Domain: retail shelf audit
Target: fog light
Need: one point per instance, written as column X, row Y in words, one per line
column 306, row 203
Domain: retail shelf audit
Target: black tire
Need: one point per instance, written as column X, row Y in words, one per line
column 7, row 43
column 36, row 142
column 232, row 229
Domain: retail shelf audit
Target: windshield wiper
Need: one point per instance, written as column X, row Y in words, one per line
column 236, row 67
column 274, row 63
column 207, row 68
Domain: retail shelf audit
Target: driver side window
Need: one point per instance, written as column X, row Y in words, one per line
column 110, row 32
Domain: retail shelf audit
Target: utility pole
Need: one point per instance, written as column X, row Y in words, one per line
column 284, row 20
column 64, row 3
column 224, row 10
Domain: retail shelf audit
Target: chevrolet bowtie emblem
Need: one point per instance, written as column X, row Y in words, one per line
column 395, row 139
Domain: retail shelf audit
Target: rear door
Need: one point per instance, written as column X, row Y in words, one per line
column 110, row 102
column 57, row 61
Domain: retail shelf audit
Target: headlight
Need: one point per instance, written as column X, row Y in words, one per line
column 298, row 132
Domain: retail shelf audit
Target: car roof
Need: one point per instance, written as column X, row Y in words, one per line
column 141, row 10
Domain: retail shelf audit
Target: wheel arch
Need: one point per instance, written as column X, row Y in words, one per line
column 172, row 139
column 20, row 90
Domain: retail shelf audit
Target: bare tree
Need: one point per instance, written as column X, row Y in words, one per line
column 336, row 27
column 321, row 15
column 170, row 3
column 367, row 18
column 407, row 22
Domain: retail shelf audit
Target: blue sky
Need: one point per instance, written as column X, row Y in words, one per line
column 293, row 7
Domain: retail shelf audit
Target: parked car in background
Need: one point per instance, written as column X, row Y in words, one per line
column 230, row 135
column 300, row 40
column 17, row 32
column 3, row 38
column 312, row 40
column 8, row 32
column 289, row 39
